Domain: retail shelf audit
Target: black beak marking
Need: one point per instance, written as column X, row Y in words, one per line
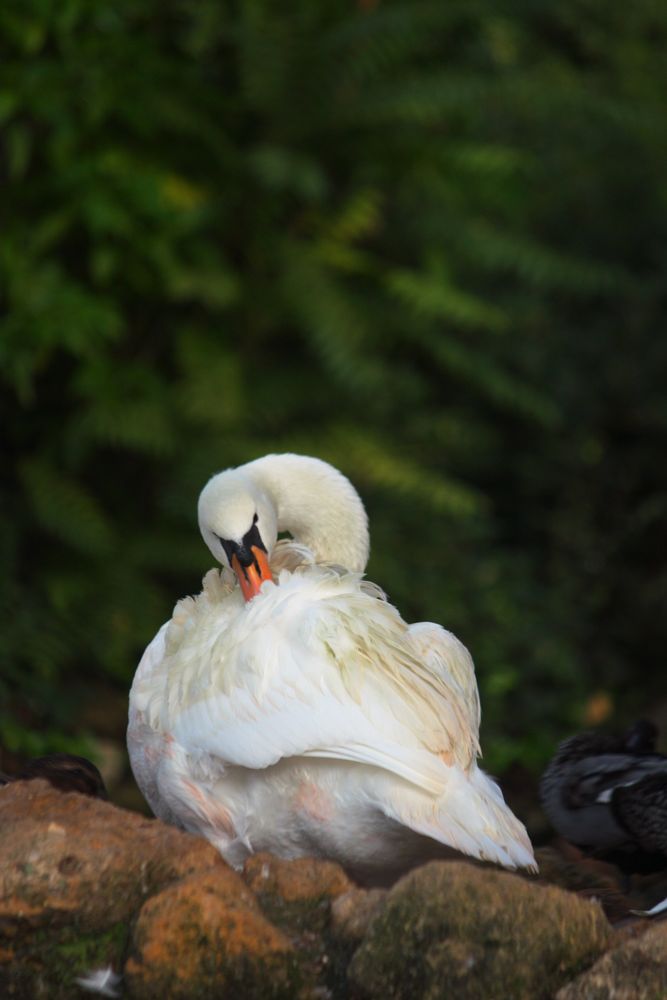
column 243, row 552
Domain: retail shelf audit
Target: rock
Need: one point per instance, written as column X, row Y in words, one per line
column 297, row 896
column 66, row 858
column 352, row 912
column 85, row 885
column 300, row 880
column 206, row 936
column 73, row 872
column 48, row 966
column 454, row 929
column 637, row 970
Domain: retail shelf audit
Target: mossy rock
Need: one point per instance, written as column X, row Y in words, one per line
column 450, row 929
column 636, row 970
column 47, row 965
column 297, row 896
column 206, row 937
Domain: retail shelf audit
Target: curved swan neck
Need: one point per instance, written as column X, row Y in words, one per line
column 317, row 505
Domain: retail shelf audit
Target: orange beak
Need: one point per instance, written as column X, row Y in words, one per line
column 252, row 577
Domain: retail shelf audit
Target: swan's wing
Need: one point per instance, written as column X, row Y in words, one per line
column 144, row 742
column 171, row 779
column 470, row 815
column 317, row 667
column 449, row 659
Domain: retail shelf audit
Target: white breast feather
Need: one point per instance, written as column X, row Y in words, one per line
column 318, row 667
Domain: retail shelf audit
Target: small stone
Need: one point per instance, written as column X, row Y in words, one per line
column 636, row 970
column 299, row 880
column 352, row 912
column 206, row 936
column 460, row 930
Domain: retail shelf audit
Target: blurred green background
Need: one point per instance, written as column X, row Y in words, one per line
column 424, row 241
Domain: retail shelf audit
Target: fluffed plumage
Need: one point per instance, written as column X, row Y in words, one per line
column 309, row 718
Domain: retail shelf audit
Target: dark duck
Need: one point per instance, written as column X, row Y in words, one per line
column 65, row 771
column 608, row 795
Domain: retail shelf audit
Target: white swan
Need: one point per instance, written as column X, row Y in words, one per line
column 297, row 712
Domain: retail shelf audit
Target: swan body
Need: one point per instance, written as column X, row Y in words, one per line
column 294, row 710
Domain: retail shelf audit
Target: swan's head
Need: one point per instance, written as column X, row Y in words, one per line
column 242, row 510
column 239, row 524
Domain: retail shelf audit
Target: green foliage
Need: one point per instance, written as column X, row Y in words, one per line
column 421, row 240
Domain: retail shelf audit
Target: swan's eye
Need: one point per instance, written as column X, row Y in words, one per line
column 255, row 519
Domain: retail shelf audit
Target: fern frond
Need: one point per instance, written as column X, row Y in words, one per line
column 433, row 295
column 64, row 508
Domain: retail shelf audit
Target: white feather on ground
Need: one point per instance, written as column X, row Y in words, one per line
column 104, row 982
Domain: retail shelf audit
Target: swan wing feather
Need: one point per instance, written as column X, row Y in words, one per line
column 315, row 667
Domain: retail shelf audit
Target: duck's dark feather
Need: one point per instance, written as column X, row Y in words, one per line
column 65, row 771
column 608, row 793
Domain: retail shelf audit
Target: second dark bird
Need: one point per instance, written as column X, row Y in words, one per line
column 608, row 794
column 65, row 771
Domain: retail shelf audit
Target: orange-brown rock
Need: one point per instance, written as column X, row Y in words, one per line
column 69, row 859
column 299, row 880
column 455, row 929
column 206, row 936
column 297, row 896
column 85, row 885
column 636, row 970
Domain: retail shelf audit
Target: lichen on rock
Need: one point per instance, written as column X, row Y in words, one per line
column 454, row 929
column 85, row 885
column 67, row 858
column 49, row 963
column 74, row 871
column 298, row 895
column 205, row 935
column 635, row 970
column 352, row 912
column 297, row 880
